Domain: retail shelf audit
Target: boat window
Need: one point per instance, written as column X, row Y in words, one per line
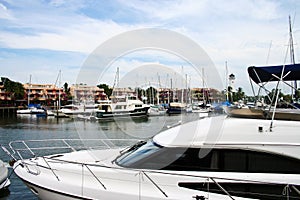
column 151, row 156
column 118, row 107
column 238, row 160
column 132, row 98
column 247, row 190
column 136, row 153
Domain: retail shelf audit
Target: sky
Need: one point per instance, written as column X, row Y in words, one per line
column 38, row 38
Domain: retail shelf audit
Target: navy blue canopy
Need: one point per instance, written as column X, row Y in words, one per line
column 266, row 74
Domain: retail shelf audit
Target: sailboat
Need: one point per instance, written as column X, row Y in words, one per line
column 31, row 108
column 202, row 106
column 266, row 74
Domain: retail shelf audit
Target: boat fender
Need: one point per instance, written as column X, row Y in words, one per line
column 12, row 162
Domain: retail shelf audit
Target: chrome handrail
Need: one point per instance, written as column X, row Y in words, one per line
column 19, row 147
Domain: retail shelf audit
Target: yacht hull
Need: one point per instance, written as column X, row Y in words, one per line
column 246, row 164
column 123, row 114
column 48, row 194
column 252, row 113
column 77, row 175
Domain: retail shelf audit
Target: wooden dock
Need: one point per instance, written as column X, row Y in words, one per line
column 8, row 111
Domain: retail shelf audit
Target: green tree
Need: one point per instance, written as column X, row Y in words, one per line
column 297, row 94
column 107, row 89
column 238, row 95
column 272, row 96
column 66, row 89
column 151, row 95
column 230, row 94
column 140, row 92
column 15, row 88
column 67, row 95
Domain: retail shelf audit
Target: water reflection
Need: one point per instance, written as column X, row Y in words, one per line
column 31, row 127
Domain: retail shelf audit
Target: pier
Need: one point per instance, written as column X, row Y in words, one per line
column 8, row 111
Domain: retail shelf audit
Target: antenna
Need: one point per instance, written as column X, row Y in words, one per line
column 292, row 53
column 269, row 52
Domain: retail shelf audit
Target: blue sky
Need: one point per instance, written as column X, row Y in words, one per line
column 39, row 38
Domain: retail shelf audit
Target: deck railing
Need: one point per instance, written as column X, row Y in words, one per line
column 22, row 149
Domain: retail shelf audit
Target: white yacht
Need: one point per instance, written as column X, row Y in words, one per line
column 122, row 107
column 32, row 110
column 74, row 109
column 156, row 110
column 210, row 158
column 4, row 181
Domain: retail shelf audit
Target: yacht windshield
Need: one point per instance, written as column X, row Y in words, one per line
column 136, row 153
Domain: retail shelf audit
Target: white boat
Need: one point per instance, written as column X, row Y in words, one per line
column 4, row 181
column 282, row 74
column 122, row 107
column 156, row 110
column 176, row 108
column 201, row 107
column 50, row 113
column 32, row 110
column 205, row 159
column 73, row 109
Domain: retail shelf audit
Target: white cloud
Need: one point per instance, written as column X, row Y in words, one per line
column 79, row 37
column 4, row 12
column 237, row 31
column 166, row 10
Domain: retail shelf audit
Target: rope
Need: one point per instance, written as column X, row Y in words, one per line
column 207, row 188
column 82, row 179
column 140, row 184
column 286, row 191
column 13, row 170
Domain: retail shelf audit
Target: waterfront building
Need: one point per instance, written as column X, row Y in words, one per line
column 4, row 96
column 85, row 93
column 123, row 91
column 43, row 93
column 208, row 95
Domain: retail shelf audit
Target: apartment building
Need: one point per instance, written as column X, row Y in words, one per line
column 86, row 93
column 42, row 92
column 4, row 96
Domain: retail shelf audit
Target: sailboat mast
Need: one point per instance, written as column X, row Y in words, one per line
column 182, row 88
column 203, row 85
column 226, row 80
column 116, row 81
column 59, row 83
column 186, row 87
column 292, row 53
column 291, row 42
column 28, row 95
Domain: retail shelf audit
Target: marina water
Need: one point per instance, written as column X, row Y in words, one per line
column 31, row 127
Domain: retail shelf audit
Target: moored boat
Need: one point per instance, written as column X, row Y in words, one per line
column 245, row 112
column 156, row 110
column 124, row 106
column 71, row 110
column 4, row 181
column 32, row 109
column 176, row 108
column 210, row 158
